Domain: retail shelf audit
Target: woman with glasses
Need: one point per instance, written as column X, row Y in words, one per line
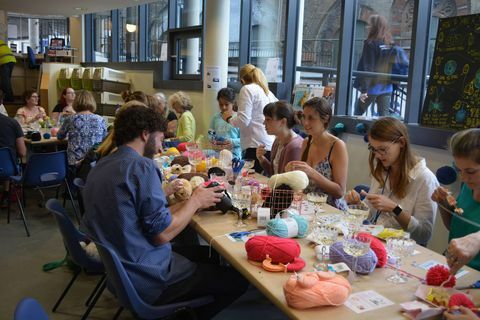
column 324, row 157
column 31, row 113
column 464, row 234
column 64, row 106
column 401, row 186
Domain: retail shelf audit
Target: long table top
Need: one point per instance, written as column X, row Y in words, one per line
column 213, row 226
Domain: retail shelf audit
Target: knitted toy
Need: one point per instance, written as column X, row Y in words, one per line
column 271, row 251
column 181, row 160
column 316, row 289
column 460, row 299
column 225, row 158
column 196, row 181
column 439, row 274
column 178, row 169
column 185, row 192
column 171, row 152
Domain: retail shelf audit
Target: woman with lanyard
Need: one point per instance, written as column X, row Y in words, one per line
column 464, row 228
column 401, row 184
column 253, row 97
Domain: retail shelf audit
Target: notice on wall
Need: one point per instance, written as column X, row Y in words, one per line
column 271, row 70
column 453, row 97
column 212, row 78
column 164, row 52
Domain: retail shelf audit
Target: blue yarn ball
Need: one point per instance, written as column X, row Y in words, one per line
column 365, row 137
column 340, row 127
column 279, row 228
column 446, row 175
column 361, row 128
column 46, row 135
column 365, row 264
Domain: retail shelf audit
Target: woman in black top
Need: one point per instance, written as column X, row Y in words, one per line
column 65, row 104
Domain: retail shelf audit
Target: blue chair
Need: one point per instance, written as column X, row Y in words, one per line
column 9, row 168
column 32, row 62
column 44, row 170
column 127, row 295
column 71, row 238
column 361, row 187
column 28, row 309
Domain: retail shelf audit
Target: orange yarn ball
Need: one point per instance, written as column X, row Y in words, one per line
column 316, row 289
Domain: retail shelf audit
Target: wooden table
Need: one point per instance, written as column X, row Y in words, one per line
column 213, row 226
column 53, row 142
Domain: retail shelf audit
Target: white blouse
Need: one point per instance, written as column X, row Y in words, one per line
column 251, row 101
column 417, row 202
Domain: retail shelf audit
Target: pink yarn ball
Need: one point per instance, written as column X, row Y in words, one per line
column 54, row 131
column 316, row 289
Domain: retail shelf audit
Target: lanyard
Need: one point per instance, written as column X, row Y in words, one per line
column 378, row 213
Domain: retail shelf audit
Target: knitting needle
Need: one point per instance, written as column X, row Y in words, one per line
column 458, row 216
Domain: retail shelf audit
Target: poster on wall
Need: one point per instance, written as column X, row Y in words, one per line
column 271, row 71
column 452, row 100
column 163, row 52
column 304, row 92
column 212, row 78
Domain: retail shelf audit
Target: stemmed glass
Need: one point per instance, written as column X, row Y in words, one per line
column 356, row 245
column 249, row 164
column 195, row 157
column 355, row 215
column 399, row 248
column 317, row 199
column 325, row 237
column 241, row 199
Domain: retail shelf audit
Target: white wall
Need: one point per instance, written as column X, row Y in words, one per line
column 358, row 173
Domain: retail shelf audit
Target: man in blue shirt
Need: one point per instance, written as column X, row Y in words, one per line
column 127, row 210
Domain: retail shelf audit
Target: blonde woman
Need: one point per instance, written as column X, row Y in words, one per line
column 180, row 102
column 253, row 97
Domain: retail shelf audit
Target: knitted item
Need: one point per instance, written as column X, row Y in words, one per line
column 438, row 274
column 315, row 289
column 460, row 299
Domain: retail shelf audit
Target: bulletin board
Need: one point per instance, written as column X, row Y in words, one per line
column 453, row 97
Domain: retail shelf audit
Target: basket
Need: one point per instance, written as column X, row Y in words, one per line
column 280, row 199
column 219, row 145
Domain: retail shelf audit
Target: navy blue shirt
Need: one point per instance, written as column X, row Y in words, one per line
column 125, row 209
column 10, row 131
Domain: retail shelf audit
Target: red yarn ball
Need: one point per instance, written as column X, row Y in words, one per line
column 378, row 248
column 438, row 274
column 296, row 265
column 182, row 147
column 460, row 299
column 280, row 250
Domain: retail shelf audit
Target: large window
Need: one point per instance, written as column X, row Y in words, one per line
column 129, row 28
column 102, row 30
column 188, row 58
column 157, row 27
column 188, row 13
column 267, row 37
column 234, row 40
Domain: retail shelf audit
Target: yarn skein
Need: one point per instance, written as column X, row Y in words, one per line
column 378, row 248
column 315, row 289
column 365, row 264
column 293, row 226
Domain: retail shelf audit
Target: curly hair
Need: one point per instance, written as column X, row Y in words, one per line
column 131, row 122
column 182, row 99
column 140, row 96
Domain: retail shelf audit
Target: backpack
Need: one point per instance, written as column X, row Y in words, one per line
column 393, row 60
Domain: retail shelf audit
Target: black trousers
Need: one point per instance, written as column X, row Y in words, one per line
column 251, row 153
column 6, row 80
column 225, row 284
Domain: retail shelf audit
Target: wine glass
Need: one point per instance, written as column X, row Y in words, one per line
column 195, row 157
column 317, row 200
column 399, row 248
column 355, row 215
column 249, row 164
column 325, row 237
column 356, row 245
column 241, row 199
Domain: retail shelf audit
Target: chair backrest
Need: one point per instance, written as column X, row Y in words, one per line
column 45, row 169
column 29, row 308
column 119, row 279
column 31, row 57
column 8, row 167
column 72, row 237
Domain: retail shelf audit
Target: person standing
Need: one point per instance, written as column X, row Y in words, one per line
column 7, row 62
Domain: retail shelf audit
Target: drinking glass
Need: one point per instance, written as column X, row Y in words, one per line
column 241, row 199
column 249, row 164
column 355, row 245
column 355, row 215
column 317, row 200
column 325, row 237
column 195, row 157
column 399, row 248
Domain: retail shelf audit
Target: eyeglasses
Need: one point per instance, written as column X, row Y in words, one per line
column 381, row 150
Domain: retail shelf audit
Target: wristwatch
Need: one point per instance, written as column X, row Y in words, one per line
column 397, row 210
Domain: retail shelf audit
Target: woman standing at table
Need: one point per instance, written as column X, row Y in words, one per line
column 64, row 106
column 31, row 113
column 324, row 156
column 401, row 184
column 253, row 97
column 464, row 237
column 279, row 122
column 83, row 129
column 180, row 102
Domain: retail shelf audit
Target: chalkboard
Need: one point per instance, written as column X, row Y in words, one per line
column 453, row 97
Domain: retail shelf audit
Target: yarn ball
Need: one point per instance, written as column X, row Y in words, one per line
column 172, row 152
column 460, row 299
column 185, row 192
column 316, row 289
column 54, row 131
column 296, row 180
column 225, row 158
column 196, row 181
column 365, row 137
column 280, row 228
column 46, row 135
column 182, row 147
column 361, row 128
column 365, row 264
column 378, row 248
column 446, row 175
column 438, row 274
column 36, row 136
column 280, row 250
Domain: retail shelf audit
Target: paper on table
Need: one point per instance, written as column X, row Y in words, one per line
column 431, row 263
column 417, row 310
column 369, row 300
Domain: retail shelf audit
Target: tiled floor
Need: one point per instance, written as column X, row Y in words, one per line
column 21, row 275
